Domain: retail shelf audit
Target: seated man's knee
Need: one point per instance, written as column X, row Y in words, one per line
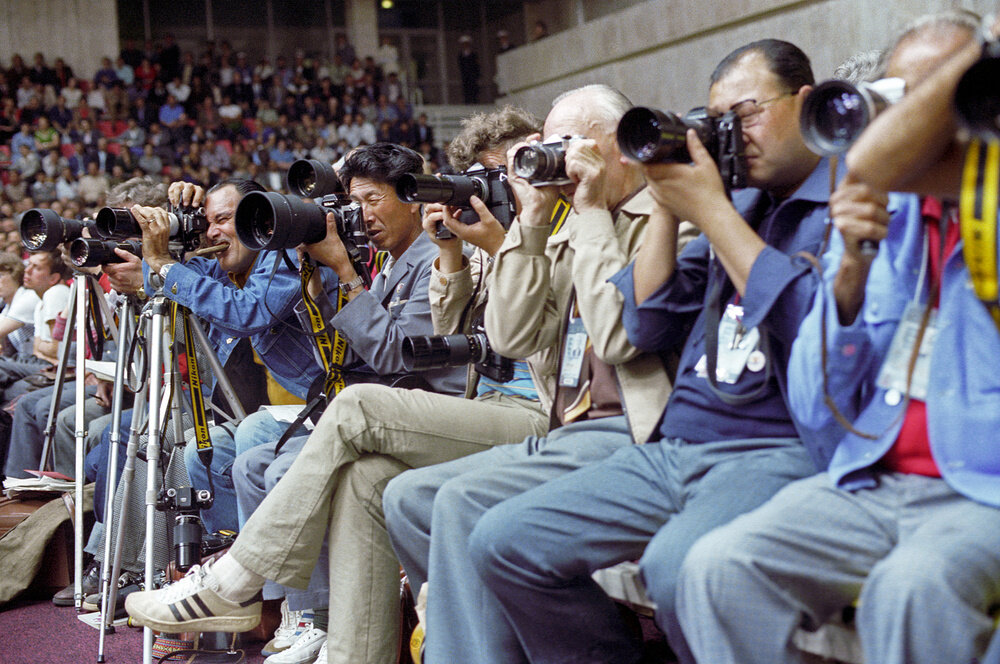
column 708, row 569
column 910, row 577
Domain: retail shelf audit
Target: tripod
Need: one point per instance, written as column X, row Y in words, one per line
column 84, row 288
column 151, row 400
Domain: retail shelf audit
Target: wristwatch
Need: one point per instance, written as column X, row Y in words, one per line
column 158, row 279
column 347, row 287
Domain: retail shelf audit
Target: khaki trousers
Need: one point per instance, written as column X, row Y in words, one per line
column 369, row 434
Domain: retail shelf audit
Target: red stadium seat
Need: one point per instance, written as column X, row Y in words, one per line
column 114, row 147
column 119, row 127
column 106, row 128
column 66, row 149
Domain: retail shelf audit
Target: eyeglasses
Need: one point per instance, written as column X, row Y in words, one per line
column 749, row 110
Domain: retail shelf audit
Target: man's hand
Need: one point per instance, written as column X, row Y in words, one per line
column 330, row 251
column 689, row 191
column 155, row 225
column 185, row 194
column 586, row 168
column 859, row 212
column 125, row 277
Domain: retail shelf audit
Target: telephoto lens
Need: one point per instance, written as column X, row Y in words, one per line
column 267, row 220
column 88, row 252
column 440, row 351
column 44, row 230
column 116, row 223
column 977, row 97
column 651, row 136
column 836, row 112
column 312, row 179
column 455, row 190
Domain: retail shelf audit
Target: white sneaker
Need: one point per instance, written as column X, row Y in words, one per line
column 289, row 629
column 303, row 651
column 321, row 657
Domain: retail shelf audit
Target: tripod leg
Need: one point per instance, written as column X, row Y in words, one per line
column 81, row 434
column 64, row 348
column 107, row 610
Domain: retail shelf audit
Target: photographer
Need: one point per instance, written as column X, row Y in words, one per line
column 905, row 524
column 236, row 296
column 372, row 432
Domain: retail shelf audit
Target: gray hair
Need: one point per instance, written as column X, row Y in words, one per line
column 609, row 104
column 145, row 190
column 949, row 19
column 860, row 67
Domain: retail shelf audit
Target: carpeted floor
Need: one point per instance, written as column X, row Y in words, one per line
column 33, row 631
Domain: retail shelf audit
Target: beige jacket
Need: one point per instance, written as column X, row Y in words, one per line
column 532, row 280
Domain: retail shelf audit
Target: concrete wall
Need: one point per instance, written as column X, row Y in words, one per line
column 661, row 52
column 79, row 31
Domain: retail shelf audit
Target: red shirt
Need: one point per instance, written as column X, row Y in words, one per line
column 911, row 453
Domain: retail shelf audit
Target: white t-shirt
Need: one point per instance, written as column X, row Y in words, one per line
column 53, row 302
column 22, row 309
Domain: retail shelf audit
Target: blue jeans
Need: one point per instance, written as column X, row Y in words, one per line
column 536, row 551
column 431, row 513
column 96, row 464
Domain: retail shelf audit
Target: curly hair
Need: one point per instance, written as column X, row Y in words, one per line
column 490, row 131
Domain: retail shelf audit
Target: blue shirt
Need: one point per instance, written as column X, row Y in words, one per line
column 778, row 294
column 262, row 310
column 963, row 397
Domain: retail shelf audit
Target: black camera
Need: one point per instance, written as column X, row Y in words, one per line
column 88, row 252
column 457, row 350
column 311, row 178
column 267, row 220
column 543, row 164
column 187, row 502
column 651, row 136
column 836, row 112
column 977, row 102
column 186, row 225
column 44, row 230
column 490, row 185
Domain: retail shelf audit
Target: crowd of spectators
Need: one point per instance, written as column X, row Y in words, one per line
column 67, row 138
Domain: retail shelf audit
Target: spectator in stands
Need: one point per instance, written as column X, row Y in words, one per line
column 43, row 188
column 17, row 318
column 16, row 189
column 93, row 185
column 23, row 137
column 72, row 93
column 906, row 522
column 53, row 163
column 46, row 136
column 67, row 188
column 26, row 162
column 60, row 115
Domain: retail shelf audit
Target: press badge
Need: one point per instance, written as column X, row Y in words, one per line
column 736, row 345
column 892, row 375
column 573, row 351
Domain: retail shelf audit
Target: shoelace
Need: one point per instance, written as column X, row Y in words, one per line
column 289, row 625
column 195, row 580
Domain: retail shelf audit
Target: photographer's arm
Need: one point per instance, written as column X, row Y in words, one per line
column 913, row 145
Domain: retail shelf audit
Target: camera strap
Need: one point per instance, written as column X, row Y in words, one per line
column 978, row 219
column 559, row 214
column 202, row 439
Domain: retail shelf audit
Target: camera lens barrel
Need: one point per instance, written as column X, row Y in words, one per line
column 313, row 178
column 187, row 541
column 541, row 162
column 116, row 223
column 836, row 112
column 45, row 230
column 88, row 252
column 977, row 101
column 267, row 220
column 447, row 189
column 441, row 351
column 651, row 136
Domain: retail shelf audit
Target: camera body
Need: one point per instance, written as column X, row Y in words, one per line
column 456, row 350
column 836, row 112
column 651, row 136
column 543, row 164
column 187, row 225
column 977, row 103
column 186, row 502
column 490, row 185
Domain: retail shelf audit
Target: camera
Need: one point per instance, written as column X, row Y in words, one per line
column 456, row 350
column 651, row 136
column 187, row 502
column 976, row 100
column 88, row 252
column 543, row 164
column 836, row 112
column 267, row 220
column 186, row 225
column 311, row 178
column 44, row 230
column 490, row 185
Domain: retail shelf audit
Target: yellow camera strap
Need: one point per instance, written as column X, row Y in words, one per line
column 202, row 439
column 559, row 214
column 978, row 217
column 332, row 351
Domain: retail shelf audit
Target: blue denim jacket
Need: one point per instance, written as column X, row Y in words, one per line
column 778, row 294
column 262, row 310
column 963, row 399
